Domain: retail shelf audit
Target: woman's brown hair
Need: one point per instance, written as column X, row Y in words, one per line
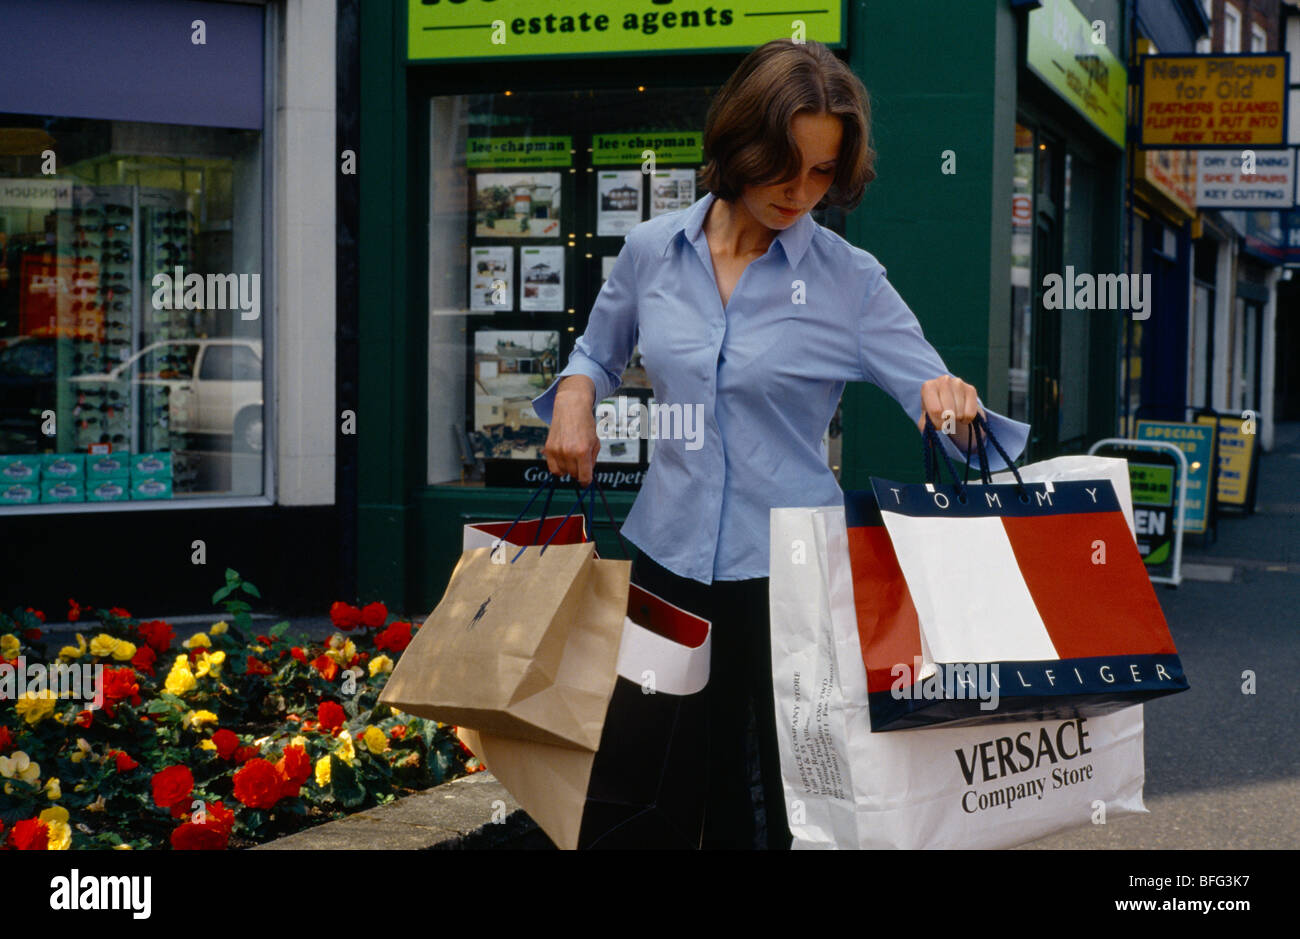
column 747, row 136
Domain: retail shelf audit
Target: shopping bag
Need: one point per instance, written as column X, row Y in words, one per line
column 643, row 787
column 1031, row 601
column 524, row 643
column 939, row 787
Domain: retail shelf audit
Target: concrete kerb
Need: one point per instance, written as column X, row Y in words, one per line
column 457, row 815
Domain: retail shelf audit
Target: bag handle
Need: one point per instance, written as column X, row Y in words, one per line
column 593, row 488
column 588, row 531
column 977, row 440
column 931, row 443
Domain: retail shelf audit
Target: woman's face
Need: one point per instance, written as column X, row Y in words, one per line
column 780, row 205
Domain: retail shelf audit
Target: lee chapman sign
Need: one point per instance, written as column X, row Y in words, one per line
column 491, row 29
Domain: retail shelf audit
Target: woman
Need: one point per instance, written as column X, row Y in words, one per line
column 750, row 317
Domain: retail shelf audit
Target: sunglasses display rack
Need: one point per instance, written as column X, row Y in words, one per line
column 114, row 242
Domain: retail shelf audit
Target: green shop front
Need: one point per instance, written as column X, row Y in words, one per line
column 507, row 147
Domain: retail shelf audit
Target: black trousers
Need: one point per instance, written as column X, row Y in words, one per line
column 741, row 714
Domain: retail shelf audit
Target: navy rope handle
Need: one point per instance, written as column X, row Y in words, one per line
column 931, row 438
column 549, row 486
column 977, row 439
column 1020, row 483
column 593, row 487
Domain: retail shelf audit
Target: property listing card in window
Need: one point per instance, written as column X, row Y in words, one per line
column 618, row 425
column 619, row 201
column 511, row 367
column 542, row 279
column 671, row 190
column 491, row 271
column 517, row 205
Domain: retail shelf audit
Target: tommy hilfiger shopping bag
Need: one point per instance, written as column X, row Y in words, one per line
column 1030, row 601
column 936, row 787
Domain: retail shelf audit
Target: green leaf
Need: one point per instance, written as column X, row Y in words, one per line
column 237, row 606
column 222, row 594
column 345, row 783
column 279, row 629
column 232, row 577
column 249, row 588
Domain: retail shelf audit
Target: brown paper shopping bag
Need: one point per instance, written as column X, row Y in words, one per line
column 522, row 645
column 643, row 788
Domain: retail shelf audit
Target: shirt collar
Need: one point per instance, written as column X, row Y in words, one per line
column 794, row 240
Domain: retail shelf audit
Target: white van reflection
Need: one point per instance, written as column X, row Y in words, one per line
column 214, row 386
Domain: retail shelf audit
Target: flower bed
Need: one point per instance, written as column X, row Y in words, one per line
column 228, row 738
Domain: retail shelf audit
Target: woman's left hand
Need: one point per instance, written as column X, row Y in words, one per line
column 952, row 405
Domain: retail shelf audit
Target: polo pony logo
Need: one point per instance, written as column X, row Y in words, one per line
column 479, row 615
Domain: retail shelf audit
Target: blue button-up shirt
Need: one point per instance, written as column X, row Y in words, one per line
column 765, row 373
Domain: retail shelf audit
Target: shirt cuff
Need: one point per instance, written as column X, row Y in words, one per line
column 1012, row 435
column 579, row 364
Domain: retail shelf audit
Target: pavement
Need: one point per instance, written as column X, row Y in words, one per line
column 1222, row 766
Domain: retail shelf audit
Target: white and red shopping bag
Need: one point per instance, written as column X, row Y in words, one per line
column 986, row 786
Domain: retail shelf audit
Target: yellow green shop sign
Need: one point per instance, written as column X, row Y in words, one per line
column 668, row 146
column 1068, row 52
column 490, row 29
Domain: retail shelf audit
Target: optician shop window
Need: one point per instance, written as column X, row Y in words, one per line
column 131, row 312
column 531, row 196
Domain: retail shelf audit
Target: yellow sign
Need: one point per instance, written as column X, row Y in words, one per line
column 1171, row 173
column 1236, row 454
column 1214, row 101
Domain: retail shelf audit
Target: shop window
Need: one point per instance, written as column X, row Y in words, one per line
column 1022, row 265
column 1206, row 43
column 1231, row 28
column 1258, row 38
column 130, row 307
column 531, row 196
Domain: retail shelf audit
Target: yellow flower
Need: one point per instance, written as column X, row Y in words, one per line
column 74, row 653
column 60, row 836
column 55, row 813
column 219, row 628
column 103, row 645
column 380, row 663
column 34, row 707
column 77, row 757
column 123, row 651
column 9, row 646
column 97, row 806
column 207, row 745
column 323, row 772
column 209, row 663
column 345, row 751
column 342, row 654
column 198, row 639
column 122, row 847
column 180, row 679
column 52, row 790
column 19, row 766
column 198, row 719
column 376, row 740
column 299, row 741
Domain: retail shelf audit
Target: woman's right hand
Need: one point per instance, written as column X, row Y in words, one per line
column 572, row 445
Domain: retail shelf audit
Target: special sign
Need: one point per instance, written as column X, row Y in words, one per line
column 1212, row 101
